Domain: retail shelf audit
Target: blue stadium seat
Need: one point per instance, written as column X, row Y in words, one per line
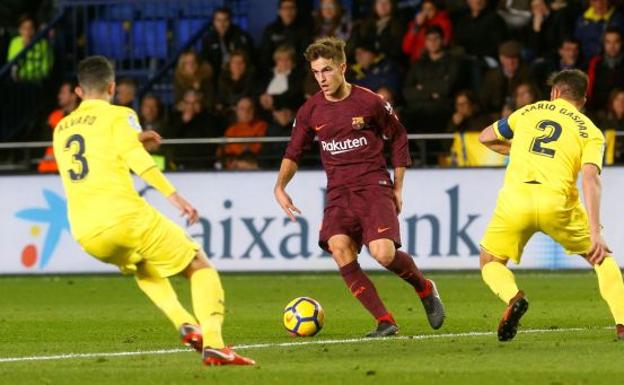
column 159, row 11
column 199, row 9
column 119, row 12
column 149, row 39
column 185, row 29
column 107, row 38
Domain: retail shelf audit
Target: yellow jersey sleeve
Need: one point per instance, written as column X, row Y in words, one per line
column 593, row 149
column 504, row 128
column 126, row 131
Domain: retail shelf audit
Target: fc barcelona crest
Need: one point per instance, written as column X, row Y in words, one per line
column 358, row 122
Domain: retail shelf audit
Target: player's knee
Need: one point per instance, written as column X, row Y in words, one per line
column 383, row 252
column 200, row 261
column 342, row 252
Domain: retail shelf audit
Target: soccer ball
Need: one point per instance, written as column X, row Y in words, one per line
column 303, row 317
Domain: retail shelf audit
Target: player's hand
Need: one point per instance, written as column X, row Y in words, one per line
column 283, row 199
column 598, row 251
column 186, row 209
column 150, row 139
column 398, row 200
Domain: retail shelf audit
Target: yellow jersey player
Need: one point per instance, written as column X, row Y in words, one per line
column 548, row 143
column 96, row 146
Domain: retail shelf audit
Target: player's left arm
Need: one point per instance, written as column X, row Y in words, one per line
column 126, row 134
column 399, row 175
column 593, row 152
column 395, row 132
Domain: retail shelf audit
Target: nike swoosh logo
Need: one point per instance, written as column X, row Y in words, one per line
column 382, row 229
column 289, row 318
column 225, row 356
column 320, row 127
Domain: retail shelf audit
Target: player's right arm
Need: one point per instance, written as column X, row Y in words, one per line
column 126, row 135
column 489, row 139
column 287, row 170
column 301, row 139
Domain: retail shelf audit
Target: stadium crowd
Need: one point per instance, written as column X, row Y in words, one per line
column 447, row 66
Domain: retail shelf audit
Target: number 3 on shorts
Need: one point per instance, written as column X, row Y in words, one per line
column 553, row 135
column 78, row 157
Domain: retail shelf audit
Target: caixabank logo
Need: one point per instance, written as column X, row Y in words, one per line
column 48, row 224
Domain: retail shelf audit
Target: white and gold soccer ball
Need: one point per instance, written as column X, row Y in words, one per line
column 303, row 317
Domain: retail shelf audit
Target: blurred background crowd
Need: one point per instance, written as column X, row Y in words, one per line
column 199, row 69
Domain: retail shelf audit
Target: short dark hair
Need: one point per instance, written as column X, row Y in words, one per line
column 569, row 39
column 572, row 83
column 225, row 10
column 434, row 30
column 95, row 73
column 24, row 18
column 327, row 48
column 613, row 29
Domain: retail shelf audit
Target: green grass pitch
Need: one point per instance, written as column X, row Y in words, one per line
column 571, row 338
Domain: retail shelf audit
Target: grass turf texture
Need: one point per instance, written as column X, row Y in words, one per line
column 84, row 314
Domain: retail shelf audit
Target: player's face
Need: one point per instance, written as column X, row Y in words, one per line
column 329, row 75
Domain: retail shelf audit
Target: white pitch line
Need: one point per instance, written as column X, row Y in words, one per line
column 285, row 344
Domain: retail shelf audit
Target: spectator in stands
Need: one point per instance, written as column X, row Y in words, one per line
column 280, row 125
column 546, row 30
column 384, row 28
column 235, row 81
column 590, row 27
column 37, row 63
column 246, row 125
column 431, row 13
column 191, row 73
column 606, row 71
column 191, row 121
column 480, row 31
column 330, row 20
column 567, row 58
column 372, row 69
column 284, row 82
column 390, row 96
column 430, row 84
column 467, row 115
column 151, row 114
column 223, row 38
column 613, row 119
column 125, row 92
column 500, row 82
column 67, row 102
column 286, row 30
column 524, row 94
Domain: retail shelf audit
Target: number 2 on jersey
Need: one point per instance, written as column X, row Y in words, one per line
column 78, row 157
column 553, row 133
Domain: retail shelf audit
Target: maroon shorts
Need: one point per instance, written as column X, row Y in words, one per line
column 364, row 213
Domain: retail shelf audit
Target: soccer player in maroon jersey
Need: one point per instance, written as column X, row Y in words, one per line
column 352, row 123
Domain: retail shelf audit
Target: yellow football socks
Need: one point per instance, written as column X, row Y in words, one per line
column 208, row 305
column 500, row 280
column 611, row 287
column 160, row 291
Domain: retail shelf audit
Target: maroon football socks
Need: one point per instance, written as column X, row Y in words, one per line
column 364, row 290
column 403, row 265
